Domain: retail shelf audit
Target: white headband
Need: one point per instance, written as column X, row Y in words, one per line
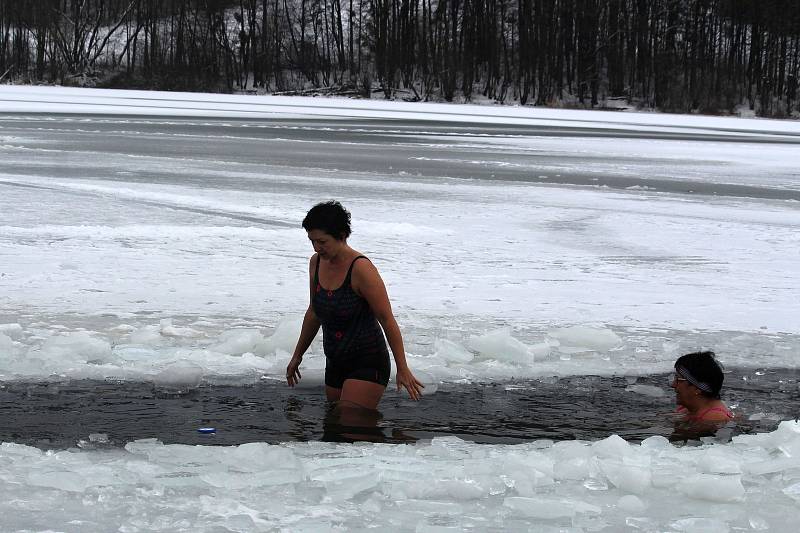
column 702, row 385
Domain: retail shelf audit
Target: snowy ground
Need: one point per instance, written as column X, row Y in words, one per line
column 153, row 236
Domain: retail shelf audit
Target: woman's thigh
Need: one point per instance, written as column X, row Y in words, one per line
column 332, row 393
column 362, row 393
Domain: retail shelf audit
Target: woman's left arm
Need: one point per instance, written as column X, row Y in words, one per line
column 367, row 282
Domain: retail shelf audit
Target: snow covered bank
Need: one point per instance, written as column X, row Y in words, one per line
column 46, row 99
column 444, row 485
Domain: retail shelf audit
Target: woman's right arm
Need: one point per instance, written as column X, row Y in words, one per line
column 307, row 333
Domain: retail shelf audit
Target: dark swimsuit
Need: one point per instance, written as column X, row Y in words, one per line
column 351, row 336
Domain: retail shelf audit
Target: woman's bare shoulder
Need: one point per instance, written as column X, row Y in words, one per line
column 363, row 265
column 721, row 414
column 312, row 263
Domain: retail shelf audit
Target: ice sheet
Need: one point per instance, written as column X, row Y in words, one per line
column 442, row 485
column 190, row 352
column 217, row 246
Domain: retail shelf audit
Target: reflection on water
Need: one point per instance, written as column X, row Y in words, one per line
column 345, row 421
column 689, row 432
column 60, row 415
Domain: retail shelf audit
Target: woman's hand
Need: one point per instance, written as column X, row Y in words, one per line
column 293, row 370
column 406, row 379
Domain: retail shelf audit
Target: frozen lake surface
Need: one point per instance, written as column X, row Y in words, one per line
column 546, row 267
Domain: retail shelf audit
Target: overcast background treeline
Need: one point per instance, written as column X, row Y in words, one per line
column 675, row 55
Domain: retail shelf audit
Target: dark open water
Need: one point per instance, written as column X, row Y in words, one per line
column 62, row 415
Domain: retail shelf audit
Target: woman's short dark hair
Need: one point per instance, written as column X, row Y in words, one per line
column 330, row 217
column 703, row 371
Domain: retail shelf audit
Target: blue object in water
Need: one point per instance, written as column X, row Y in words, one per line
column 206, row 430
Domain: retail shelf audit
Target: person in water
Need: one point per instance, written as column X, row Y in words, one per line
column 697, row 382
column 349, row 301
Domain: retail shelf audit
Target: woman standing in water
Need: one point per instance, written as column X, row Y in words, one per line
column 697, row 382
column 349, row 301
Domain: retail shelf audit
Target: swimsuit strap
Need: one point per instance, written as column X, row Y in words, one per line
column 316, row 272
column 350, row 270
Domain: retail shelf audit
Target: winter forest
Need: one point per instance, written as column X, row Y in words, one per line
column 706, row 56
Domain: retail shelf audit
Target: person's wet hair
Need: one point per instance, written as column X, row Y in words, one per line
column 330, row 217
column 702, row 370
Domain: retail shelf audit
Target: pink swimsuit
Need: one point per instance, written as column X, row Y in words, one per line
column 699, row 417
